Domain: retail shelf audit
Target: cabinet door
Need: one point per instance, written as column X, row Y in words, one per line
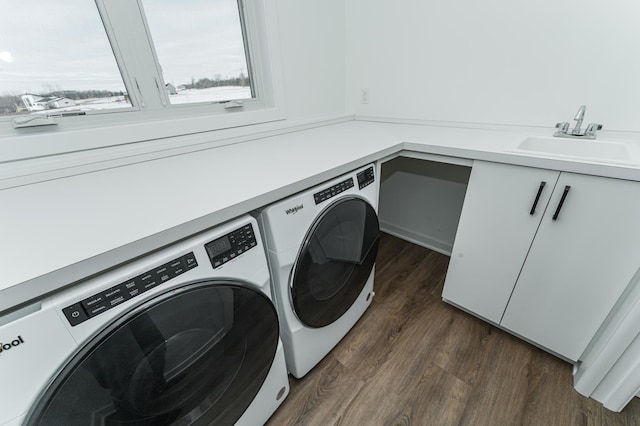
column 578, row 264
column 494, row 235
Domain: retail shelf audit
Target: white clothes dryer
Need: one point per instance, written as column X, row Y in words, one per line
column 321, row 245
column 185, row 335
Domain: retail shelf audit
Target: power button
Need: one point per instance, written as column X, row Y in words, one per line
column 75, row 314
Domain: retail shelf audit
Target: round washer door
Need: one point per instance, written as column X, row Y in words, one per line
column 335, row 261
column 195, row 356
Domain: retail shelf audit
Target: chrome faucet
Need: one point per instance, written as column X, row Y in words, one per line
column 589, row 133
column 578, row 119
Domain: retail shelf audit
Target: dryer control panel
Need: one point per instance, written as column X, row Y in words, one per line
column 365, row 177
column 332, row 191
column 226, row 248
column 113, row 296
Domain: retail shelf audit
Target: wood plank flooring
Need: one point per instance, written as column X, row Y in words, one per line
column 414, row 360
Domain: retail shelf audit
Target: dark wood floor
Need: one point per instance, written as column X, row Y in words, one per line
column 414, row 360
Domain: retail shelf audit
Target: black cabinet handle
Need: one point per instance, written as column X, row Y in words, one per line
column 535, row 203
column 564, row 195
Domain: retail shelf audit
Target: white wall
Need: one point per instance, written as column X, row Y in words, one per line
column 496, row 61
column 313, row 42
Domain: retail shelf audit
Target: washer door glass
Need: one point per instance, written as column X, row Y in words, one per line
column 197, row 356
column 335, row 262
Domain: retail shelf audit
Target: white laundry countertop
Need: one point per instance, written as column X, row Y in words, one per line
column 57, row 232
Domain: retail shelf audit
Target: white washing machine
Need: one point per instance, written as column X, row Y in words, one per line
column 322, row 245
column 186, row 335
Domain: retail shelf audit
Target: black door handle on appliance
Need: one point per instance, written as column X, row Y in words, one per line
column 535, row 203
column 564, row 195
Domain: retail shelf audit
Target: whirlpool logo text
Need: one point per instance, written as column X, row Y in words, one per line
column 8, row 346
column 294, row 209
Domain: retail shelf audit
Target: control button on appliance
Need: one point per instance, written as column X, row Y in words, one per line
column 167, row 271
column 93, row 300
column 98, row 309
column 190, row 261
column 116, row 295
column 129, row 284
column 118, row 300
column 148, row 281
column 75, row 314
column 113, row 292
column 178, row 271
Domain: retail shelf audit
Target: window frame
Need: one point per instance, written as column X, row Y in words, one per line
column 152, row 116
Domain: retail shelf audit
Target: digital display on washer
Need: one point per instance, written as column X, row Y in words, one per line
column 226, row 248
column 113, row 296
column 218, row 246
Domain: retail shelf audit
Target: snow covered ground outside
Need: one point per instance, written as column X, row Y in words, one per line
column 211, row 94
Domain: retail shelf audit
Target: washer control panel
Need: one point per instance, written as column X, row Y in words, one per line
column 365, row 177
column 113, row 296
column 226, row 248
column 332, row 191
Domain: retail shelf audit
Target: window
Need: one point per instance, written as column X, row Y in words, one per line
column 54, row 57
column 202, row 56
column 146, row 69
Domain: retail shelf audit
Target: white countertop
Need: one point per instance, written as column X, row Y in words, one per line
column 57, row 232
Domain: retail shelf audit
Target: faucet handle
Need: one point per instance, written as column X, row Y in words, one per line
column 593, row 128
column 563, row 128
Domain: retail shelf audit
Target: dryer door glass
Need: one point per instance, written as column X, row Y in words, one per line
column 335, row 262
column 198, row 356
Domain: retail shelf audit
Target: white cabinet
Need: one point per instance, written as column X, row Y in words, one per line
column 551, row 281
column 494, row 235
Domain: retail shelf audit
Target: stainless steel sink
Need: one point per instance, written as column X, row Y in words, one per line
column 592, row 150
